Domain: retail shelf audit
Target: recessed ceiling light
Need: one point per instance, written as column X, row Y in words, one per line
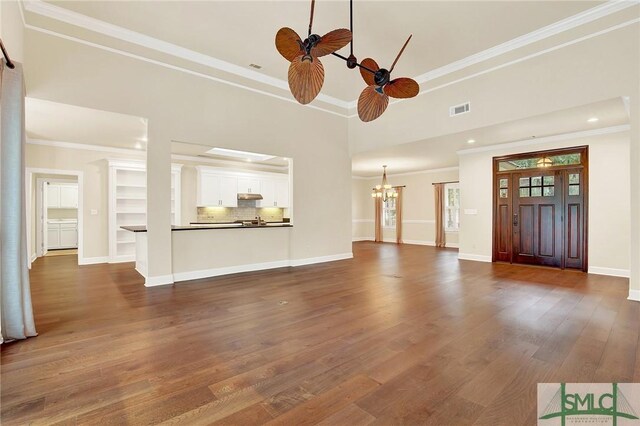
column 256, row 66
column 471, row 141
column 592, row 120
column 138, row 145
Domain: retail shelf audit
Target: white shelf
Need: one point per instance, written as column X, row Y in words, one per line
column 127, row 204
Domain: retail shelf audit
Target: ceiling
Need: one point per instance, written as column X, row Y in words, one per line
column 68, row 123
column 200, row 151
column 441, row 152
column 242, row 32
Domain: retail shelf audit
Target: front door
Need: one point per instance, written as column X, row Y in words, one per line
column 537, row 217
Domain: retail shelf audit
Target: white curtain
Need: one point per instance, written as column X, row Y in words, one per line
column 15, row 295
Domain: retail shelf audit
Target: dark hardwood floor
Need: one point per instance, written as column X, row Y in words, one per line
column 398, row 335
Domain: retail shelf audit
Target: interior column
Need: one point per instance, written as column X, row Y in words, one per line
column 158, row 204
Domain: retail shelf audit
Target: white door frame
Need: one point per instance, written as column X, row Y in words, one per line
column 42, row 212
column 29, row 172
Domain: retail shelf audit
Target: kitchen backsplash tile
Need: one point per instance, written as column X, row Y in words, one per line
column 246, row 210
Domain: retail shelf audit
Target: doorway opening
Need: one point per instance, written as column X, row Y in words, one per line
column 540, row 208
column 55, row 213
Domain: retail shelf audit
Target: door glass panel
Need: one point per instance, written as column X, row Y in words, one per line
column 548, row 180
column 536, row 191
column 504, row 183
column 524, row 182
column 504, row 193
column 536, row 181
column 574, row 178
column 540, row 161
column 574, row 189
column 524, row 192
column 548, row 191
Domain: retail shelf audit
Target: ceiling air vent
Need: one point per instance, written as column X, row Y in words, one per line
column 459, row 109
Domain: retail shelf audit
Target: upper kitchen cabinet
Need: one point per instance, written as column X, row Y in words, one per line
column 216, row 189
column 275, row 192
column 62, row 195
column 249, row 185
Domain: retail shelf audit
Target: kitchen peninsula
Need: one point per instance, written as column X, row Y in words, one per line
column 233, row 220
column 200, row 251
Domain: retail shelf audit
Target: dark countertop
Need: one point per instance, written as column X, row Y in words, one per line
column 142, row 228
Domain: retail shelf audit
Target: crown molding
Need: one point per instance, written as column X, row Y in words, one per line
column 548, row 139
column 419, row 172
column 353, row 104
column 86, row 147
column 61, row 14
column 535, row 36
column 142, row 153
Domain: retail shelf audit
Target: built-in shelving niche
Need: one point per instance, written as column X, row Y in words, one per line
column 128, row 205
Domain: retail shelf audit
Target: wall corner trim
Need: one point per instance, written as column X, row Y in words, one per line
column 612, row 272
column 474, row 257
column 634, row 295
column 159, row 280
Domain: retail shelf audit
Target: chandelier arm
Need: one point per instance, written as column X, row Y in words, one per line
column 361, row 66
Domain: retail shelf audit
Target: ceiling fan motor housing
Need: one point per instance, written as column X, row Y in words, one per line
column 382, row 77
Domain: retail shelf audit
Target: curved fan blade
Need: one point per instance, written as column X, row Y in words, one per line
column 305, row 78
column 366, row 75
column 371, row 104
column 288, row 43
column 332, row 41
column 401, row 88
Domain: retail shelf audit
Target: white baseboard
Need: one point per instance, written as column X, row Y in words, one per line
column 414, row 242
column 612, row 272
column 122, row 259
column 321, row 259
column 634, row 295
column 215, row 272
column 33, row 257
column 159, row 280
column 93, row 260
column 208, row 273
column 474, row 257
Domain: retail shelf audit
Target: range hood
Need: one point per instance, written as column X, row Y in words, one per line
column 248, row 196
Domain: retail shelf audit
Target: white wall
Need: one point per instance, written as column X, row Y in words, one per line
column 609, row 203
column 418, row 207
column 185, row 107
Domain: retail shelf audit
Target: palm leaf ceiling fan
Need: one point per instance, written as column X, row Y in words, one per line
column 306, row 73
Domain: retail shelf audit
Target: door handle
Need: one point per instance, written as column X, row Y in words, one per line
column 515, row 219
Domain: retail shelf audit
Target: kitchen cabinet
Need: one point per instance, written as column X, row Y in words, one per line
column 216, row 190
column 275, row 192
column 62, row 235
column 248, row 185
column 62, row 195
column 282, row 193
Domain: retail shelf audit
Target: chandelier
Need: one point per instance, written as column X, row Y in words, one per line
column 384, row 190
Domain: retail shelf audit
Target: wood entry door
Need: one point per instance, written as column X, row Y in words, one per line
column 537, row 217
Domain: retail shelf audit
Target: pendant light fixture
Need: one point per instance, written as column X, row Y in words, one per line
column 384, row 190
column 544, row 162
